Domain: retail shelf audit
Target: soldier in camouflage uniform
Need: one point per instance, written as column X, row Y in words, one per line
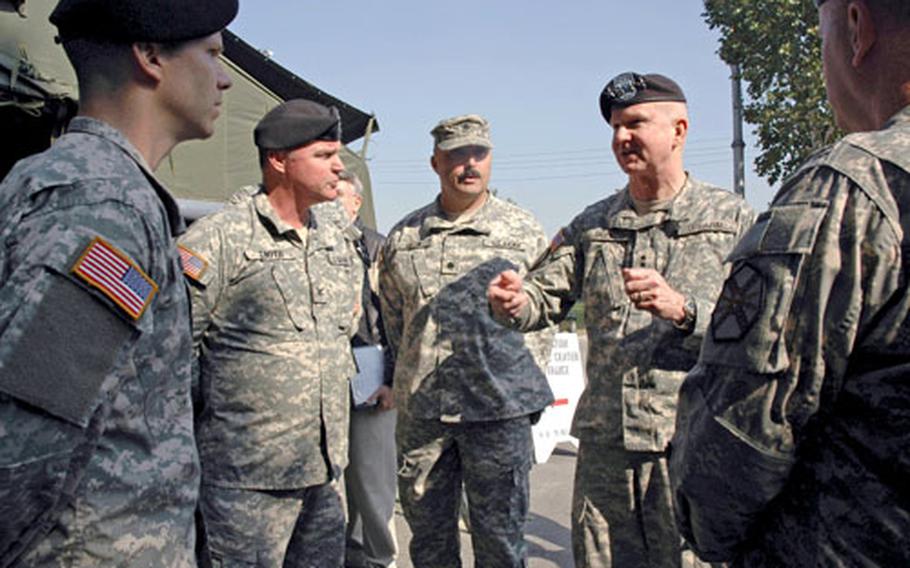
column 793, row 435
column 467, row 388
column 274, row 291
column 648, row 263
column 97, row 456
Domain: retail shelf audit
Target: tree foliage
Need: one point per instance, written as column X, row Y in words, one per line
column 776, row 44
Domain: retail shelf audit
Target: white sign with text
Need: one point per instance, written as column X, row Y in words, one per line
column 565, row 374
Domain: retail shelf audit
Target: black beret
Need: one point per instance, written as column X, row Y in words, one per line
column 142, row 20
column 295, row 123
column 627, row 89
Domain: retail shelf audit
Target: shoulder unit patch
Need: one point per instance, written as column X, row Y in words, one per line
column 115, row 275
column 739, row 305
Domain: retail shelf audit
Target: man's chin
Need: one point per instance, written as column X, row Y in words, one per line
column 631, row 166
column 471, row 186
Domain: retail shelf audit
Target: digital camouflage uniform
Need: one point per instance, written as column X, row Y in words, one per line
column 465, row 386
column 97, row 456
column 793, row 440
column 272, row 320
column 636, row 361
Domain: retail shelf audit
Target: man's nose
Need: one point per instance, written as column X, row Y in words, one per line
column 224, row 79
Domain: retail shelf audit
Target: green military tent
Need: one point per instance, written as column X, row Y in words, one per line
column 38, row 96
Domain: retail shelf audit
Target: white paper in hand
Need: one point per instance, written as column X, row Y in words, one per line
column 370, row 369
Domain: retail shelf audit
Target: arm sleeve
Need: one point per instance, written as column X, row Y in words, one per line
column 390, row 300
column 553, row 284
column 388, row 372
column 360, row 283
column 779, row 340
column 704, row 306
column 205, row 241
column 65, row 347
column 540, row 342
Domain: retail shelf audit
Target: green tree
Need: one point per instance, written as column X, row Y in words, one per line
column 776, row 44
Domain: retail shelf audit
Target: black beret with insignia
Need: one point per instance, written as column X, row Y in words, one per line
column 295, row 123
column 627, row 89
column 142, row 20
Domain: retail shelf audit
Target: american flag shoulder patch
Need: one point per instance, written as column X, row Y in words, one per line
column 115, row 275
column 194, row 266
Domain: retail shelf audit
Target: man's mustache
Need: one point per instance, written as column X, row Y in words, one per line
column 469, row 172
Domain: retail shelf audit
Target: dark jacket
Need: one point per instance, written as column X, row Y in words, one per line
column 370, row 330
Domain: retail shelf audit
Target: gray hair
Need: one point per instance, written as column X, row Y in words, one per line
column 351, row 177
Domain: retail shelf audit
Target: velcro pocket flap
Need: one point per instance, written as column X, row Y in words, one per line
column 784, row 229
column 61, row 350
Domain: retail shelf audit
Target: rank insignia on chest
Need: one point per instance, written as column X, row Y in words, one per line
column 115, row 275
column 739, row 305
column 194, row 266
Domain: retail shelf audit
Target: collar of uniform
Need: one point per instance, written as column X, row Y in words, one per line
column 624, row 216
column 681, row 205
column 266, row 211
column 95, row 127
column 328, row 225
column 88, row 125
column 901, row 116
column 334, row 213
column 438, row 222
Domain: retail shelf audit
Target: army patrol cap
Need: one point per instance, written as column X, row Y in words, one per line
column 627, row 89
column 295, row 123
column 464, row 130
column 142, row 20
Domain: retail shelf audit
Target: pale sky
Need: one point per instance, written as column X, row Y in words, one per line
column 534, row 69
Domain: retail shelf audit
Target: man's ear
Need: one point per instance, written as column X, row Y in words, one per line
column 680, row 129
column 861, row 30
column 147, row 56
column 277, row 160
column 433, row 163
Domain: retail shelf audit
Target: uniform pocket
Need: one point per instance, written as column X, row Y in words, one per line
column 604, row 294
column 502, row 502
column 292, row 297
column 427, row 276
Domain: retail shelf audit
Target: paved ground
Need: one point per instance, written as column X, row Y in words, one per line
column 547, row 532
